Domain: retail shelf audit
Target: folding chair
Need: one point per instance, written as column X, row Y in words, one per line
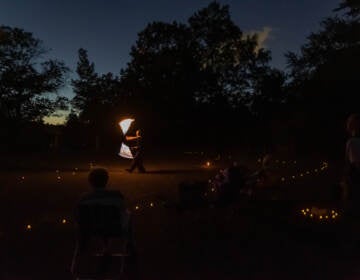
column 99, row 225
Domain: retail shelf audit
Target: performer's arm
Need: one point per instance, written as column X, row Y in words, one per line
column 131, row 138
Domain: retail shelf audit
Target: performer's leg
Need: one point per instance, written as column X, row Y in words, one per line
column 133, row 165
column 139, row 164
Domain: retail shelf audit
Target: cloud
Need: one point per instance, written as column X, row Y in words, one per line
column 263, row 36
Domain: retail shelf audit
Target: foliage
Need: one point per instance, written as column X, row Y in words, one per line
column 209, row 60
column 25, row 79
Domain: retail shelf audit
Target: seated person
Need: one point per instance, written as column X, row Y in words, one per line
column 352, row 158
column 229, row 184
column 98, row 200
column 266, row 176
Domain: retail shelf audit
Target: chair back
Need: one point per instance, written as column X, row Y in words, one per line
column 100, row 220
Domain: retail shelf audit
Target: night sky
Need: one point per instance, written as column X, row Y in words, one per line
column 108, row 28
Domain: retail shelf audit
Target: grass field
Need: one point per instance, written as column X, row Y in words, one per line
column 254, row 239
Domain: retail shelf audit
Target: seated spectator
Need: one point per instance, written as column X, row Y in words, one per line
column 352, row 160
column 266, row 176
column 229, row 184
column 99, row 202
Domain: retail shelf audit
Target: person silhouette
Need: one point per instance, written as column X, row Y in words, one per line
column 352, row 160
column 101, row 214
column 139, row 152
column 98, row 178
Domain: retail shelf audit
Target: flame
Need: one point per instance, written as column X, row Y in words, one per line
column 125, row 152
column 125, row 125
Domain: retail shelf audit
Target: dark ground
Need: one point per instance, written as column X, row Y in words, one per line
column 258, row 239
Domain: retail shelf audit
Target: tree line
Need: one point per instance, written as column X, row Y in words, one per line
column 198, row 83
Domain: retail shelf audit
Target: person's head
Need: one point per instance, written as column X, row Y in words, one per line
column 98, row 178
column 353, row 125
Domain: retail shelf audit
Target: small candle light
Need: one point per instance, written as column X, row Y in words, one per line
column 58, row 177
column 151, row 204
column 28, row 227
column 63, row 221
column 208, row 163
column 136, row 207
column 283, row 179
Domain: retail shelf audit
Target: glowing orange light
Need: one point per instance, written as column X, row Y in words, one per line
column 22, row 177
column 208, row 163
column 137, row 207
column 151, row 204
column 28, row 227
column 58, row 177
column 64, row 221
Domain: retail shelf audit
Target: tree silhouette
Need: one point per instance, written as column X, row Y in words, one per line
column 95, row 100
column 324, row 76
column 183, row 73
column 26, row 80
